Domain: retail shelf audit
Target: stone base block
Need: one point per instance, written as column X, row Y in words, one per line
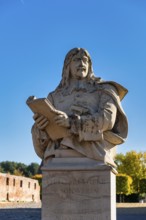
column 78, row 194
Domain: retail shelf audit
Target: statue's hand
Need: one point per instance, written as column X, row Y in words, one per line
column 62, row 119
column 41, row 121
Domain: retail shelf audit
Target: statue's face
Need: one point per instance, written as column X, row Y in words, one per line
column 79, row 66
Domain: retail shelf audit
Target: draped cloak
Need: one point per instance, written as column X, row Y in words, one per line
column 94, row 103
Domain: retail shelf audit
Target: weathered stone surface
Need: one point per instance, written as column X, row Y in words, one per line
column 79, row 195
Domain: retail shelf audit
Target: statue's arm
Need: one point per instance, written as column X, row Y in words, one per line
column 40, row 140
column 91, row 127
column 40, row 137
column 107, row 112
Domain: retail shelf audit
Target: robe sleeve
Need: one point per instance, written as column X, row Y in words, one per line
column 40, row 138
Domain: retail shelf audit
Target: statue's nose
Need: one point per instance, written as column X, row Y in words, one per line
column 81, row 62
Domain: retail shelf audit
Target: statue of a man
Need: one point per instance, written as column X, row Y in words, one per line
column 90, row 110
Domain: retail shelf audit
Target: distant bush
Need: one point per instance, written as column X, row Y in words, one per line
column 19, row 169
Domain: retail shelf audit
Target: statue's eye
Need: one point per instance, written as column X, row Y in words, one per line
column 85, row 59
column 76, row 59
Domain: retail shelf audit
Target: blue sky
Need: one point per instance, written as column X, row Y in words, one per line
column 35, row 36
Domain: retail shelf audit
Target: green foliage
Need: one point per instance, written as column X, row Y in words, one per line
column 32, row 169
column 8, row 167
column 17, row 173
column 123, row 184
column 19, row 169
column 132, row 164
column 142, row 185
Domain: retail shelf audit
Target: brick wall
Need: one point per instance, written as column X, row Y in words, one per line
column 18, row 188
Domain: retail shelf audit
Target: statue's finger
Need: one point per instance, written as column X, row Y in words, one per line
column 35, row 116
column 40, row 118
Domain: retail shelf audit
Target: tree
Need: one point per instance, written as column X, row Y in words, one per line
column 8, row 166
column 19, row 169
column 132, row 164
column 32, row 169
column 18, row 173
column 142, row 185
column 123, row 185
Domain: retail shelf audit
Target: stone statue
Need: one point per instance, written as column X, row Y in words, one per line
column 90, row 109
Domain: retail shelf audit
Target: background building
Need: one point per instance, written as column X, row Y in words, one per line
column 18, row 188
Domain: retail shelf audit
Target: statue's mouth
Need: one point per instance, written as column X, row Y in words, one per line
column 81, row 68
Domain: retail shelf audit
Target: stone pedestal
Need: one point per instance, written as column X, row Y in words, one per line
column 78, row 189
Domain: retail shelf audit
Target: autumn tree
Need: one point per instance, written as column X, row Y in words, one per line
column 132, row 164
column 142, row 184
column 123, row 185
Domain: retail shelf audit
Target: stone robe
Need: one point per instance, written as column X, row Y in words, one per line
column 97, row 120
